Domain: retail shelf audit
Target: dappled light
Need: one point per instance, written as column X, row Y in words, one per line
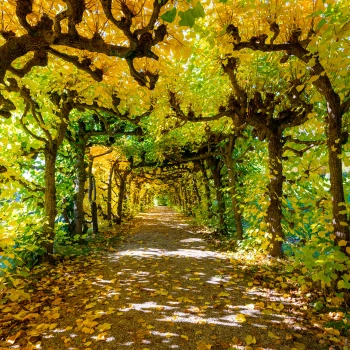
column 165, row 288
column 174, row 174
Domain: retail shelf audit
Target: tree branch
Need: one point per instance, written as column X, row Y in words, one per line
column 25, row 127
column 96, row 74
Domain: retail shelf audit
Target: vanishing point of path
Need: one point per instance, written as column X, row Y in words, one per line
column 164, row 288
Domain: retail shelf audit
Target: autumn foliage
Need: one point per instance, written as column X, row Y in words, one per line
column 236, row 113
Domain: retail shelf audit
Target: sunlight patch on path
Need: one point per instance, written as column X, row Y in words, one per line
column 182, row 253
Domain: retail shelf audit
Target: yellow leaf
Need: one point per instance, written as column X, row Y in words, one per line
column 57, row 301
column 273, row 336
column 299, row 346
column 184, row 337
column 202, row 345
column 31, row 316
column 52, row 315
column 90, row 306
column 102, row 336
column 267, row 312
column 11, row 340
column 280, row 307
column 223, row 294
column 259, row 305
column 240, row 318
column 348, row 250
column 249, row 339
column 313, row 78
column 332, row 236
column 343, row 223
column 340, row 284
column 87, row 330
column 342, row 243
column 104, row 327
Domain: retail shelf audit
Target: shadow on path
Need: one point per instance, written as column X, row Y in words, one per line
column 166, row 289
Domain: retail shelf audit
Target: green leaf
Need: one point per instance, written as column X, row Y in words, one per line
column 223, row 1
column 198, row 11
column 169, row 16
column 321, row 23
column 187, row 19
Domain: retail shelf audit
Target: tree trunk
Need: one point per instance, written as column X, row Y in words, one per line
column 218, row 192
column 177, row 197
column 121, row 195
column 92, row 198
column 340, row 221
column 334, row 142
column 196, row 191
column 109, row 192
column 185, row 196
column 274, row 211
column 50, row 210
column 94, row 214
column 233, row 193
column 206, row 187
column 79, row 191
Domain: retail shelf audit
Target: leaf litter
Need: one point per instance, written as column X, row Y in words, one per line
column 164, row 287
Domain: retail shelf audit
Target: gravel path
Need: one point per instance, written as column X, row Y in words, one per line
column 166, row 289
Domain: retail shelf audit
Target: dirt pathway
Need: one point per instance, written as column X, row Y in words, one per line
column 165, row 289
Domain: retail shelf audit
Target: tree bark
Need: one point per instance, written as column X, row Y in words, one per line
column 274, row 211
column 219, row 196
column 196, row 191
column 206, row 188
column 50, row 210
column 334, row 143
column 123, row 181
column 120, row 201
column 109, row 192
column 232, row 184
column 92, row 197
column 233, row 193
column 79, row 190
column 185, row 195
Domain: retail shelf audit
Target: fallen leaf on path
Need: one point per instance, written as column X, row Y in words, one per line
column 202, row 345
column 249, row 339
column 90, row 306
column 11, row 340
column 240, row 318
column 104, row 327
column 272, row 335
